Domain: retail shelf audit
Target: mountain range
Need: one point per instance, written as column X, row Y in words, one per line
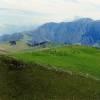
column 84, row 31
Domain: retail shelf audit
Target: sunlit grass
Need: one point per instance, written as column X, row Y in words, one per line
column 74, row 58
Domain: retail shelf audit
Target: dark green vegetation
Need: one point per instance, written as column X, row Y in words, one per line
column 84, row 60
column 25, row 81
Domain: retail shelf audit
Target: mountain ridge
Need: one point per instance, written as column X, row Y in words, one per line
column 78, row 31
column 84, row 31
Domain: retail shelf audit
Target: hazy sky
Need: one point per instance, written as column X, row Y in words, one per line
column 35, row 11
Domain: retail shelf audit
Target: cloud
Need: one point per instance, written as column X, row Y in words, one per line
column 50, row 10
column 19, row 12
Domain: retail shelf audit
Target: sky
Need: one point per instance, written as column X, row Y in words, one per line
column 40, row 11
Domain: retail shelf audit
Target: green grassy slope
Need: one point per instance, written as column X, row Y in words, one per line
column 20, row 81
column 71, row 58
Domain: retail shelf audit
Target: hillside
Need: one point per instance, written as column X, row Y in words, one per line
column 18, row 47
column 81, row 59
column 25, row 81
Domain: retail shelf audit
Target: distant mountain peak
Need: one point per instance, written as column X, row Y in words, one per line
column 83, row 31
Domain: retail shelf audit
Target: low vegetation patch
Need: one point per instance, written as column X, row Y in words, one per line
column 36, row 82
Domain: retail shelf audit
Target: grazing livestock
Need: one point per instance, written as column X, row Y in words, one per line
column 12, row 42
